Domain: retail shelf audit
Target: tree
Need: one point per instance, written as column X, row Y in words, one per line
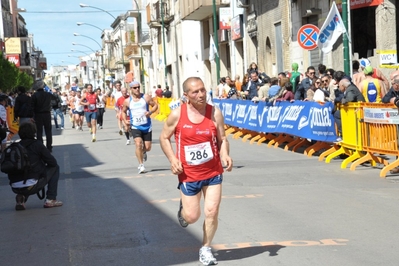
column 11, row 77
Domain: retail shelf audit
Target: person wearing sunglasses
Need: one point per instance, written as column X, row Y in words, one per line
column 328, row 88
column 303, row 87
column 138, row 106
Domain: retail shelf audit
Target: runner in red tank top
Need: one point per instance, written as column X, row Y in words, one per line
column 201, row 148
column 89, row 101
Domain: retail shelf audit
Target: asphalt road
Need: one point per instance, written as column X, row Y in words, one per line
column 278, row 208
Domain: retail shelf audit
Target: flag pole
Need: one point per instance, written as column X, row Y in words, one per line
column 347, row 63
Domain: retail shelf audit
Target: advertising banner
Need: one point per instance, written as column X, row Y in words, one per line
column 303, row 119
column 381, row 115
column 14, row 58
column 13, row 45
column 225, row 18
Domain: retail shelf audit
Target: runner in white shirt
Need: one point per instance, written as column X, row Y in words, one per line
column 116, row 94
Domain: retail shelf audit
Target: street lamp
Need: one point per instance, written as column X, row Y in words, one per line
column 120, row 29
column 83, row 23
column 102, row 55
column 77, row 34
column 74, row 43
column 141, row 46
column 73, row 50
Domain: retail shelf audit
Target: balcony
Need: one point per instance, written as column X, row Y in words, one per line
column 132, row 51
column 199, row 9
column 154, row 14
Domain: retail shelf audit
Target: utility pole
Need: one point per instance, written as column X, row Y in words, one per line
column 163, row 41
column 216, row 40
column 347, row 63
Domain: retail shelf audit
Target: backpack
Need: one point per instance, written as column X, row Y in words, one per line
column 15, row 160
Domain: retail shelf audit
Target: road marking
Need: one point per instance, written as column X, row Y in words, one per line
column 288, row 243
column 251, row 196
column 67, row 163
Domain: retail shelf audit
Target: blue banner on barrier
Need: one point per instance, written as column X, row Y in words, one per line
column 303, row 119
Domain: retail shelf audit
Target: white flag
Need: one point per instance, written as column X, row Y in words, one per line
column 332, row 28
column 212, row 49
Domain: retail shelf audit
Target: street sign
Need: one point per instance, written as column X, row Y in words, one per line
column 307, row 36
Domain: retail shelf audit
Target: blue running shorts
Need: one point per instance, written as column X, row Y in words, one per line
column 90, row 116
column 193, row 188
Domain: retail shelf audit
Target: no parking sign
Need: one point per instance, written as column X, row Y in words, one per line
column 307, row 36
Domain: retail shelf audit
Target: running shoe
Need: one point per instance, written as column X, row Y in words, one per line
column 182, row 222
column 93, row 139
column 128, row 142
column 52, row 203
column 206, row 257
column 91, row 131
column 101, row 127
column 20, row 199
column 120, row 132
column 144, row 156
column 141, row 169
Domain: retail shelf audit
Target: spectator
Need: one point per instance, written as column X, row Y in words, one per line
column 322, row 70
column 274, row 87
column 350, row 94
column 64, row 103
column 253, row 86
column 159, row 91
column 330, row 72
column 392, row 95
column 305, row 84
column 238, row 83
column 56, row 105
column 232, row 91
column 355, row 67
column 371, row 87
column 263, row 92
column 312, row 90
column 41, row 102
column 44, row 171
column 328, row 88
column 287, row 94
column 253, row 67
column 23, row 106
column 364, row 62
column 294, row 77
column 167, row 93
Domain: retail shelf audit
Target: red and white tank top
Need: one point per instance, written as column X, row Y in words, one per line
column 91, row 98
column 196, row 147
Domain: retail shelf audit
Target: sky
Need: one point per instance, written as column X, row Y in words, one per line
column 53, row 23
